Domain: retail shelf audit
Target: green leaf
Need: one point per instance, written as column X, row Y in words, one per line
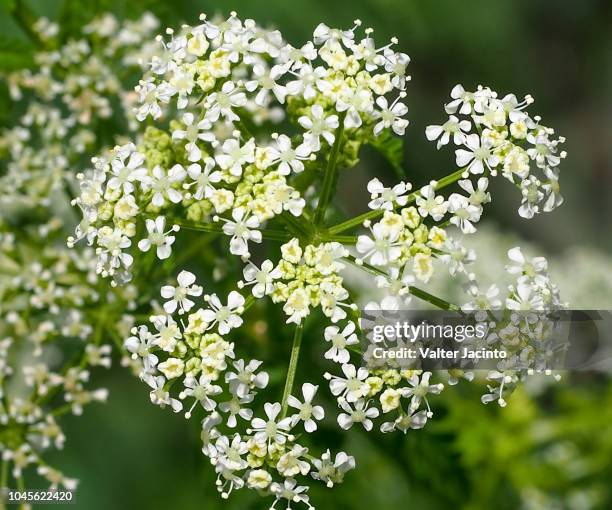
column 15, row 54
column 391, row 147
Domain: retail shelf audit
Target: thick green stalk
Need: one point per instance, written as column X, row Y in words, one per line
column 331, row 174
column 358, row 220
column 295, row 354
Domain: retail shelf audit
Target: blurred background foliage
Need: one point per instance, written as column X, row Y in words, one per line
column 551, row 447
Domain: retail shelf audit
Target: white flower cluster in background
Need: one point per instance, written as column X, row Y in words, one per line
column 58, row 323
column 69, row 94
column 52, row 309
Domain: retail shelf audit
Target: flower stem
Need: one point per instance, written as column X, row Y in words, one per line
column 415, row 291
column 25, row 18
column 271, row 235
column 331, row 174
column 358, row 220
column 295, row 354
column 4, row 474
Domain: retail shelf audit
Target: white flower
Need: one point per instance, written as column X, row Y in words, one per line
column 261, row 278
column 140, row 346
column 317, row 126
column 525, row 298
column 229, row 455
column 390, row 399
column 234, row 156
column 430, row 204
column 259, row 479
column 162, row 184
column 406, row 421
column 242, row 230
column 464, row 213
column 391, row 116
column 245, row 378
column 306, row 411
column 192, row 133
column 289, row 159
column 354, row 102
column 396, row 63
column 226, row 316
column 150, row 95
column 382, row 248
column 422, row 266
column 273, row 429
column 478, row 155
column 297, row 306
column 203, row 180
column 482, row 300
column 478, row 196
column 290, row 491
column 266, row 81
column 326, row 35
column 157, row 237
column 125, row 174
column 462, row 100
column 419, row 390
column 234, row 408
column 332, row 472
column 221, row 103
column 532, row 197
column 290, row 463
column 340, row 340
column 456, row 256
column 535, row 268
column 452, row 127
column 361, row 413
column 516, row 162
column 168, row 332
column 201, row 390
column 159, row 396
column 387, row 198
column 552, row 198
column 178, row 295
column 352, row 387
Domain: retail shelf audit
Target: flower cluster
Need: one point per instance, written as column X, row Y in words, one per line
column 213, row 162
column 506, row 140
column 52, row 310
column 207, row 163
column 197, row 354
column 58, row 322
column 73, row 90
column 309, row 278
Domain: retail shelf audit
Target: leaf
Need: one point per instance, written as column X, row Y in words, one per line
column 15, row 54
column 391, row 147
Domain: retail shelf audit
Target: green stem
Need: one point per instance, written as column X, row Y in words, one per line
column 295, row 354
column 4, row 474
column 331, row 174
column 415, row 291
column 358, row 220
column 271, row 235
column 339, row 239
column 25, row 18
